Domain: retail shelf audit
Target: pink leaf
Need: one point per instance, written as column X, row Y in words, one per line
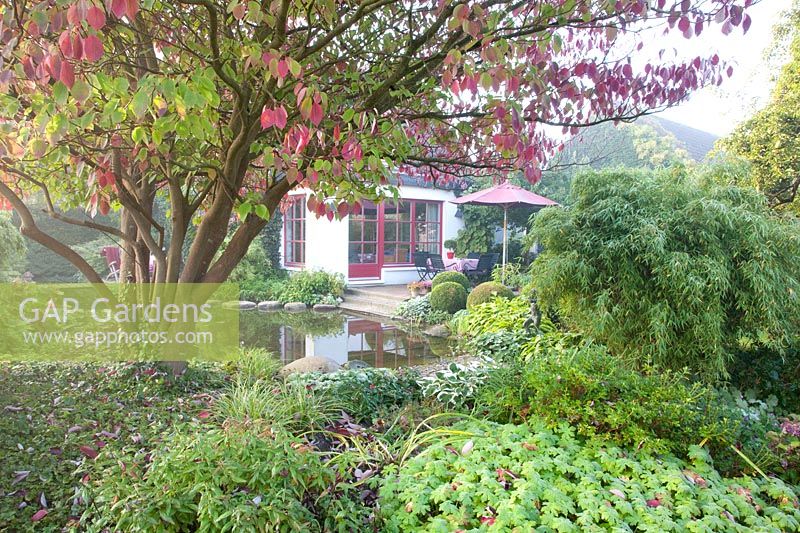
column 67, row 74
column 96, row 17
column 77, row 47
column 203, row 414
column 653, row 503
column 746, row 23
column 316, row 113
column 131, row 8
column 683, row 24
column 74, row 15
column 118, row 7
column 267, row 118
column 92, row 48
column 239, row 12
column 283, row 68
column 65, row 43
column 38, row 515
column 280, row 117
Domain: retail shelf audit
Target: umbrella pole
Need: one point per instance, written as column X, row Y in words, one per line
column 505, row 243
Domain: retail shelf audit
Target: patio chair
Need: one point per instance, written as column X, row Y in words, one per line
column 486, row 263
column 112, row 256
column 421, row 264
column 473, row 255
column 435, row 265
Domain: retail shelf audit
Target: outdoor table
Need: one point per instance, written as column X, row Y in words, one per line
column 460, row 265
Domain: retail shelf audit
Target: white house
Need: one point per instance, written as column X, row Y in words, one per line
column 376, row 246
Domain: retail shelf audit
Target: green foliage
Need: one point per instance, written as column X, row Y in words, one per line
column 598, row 395
column 259, row 274
column 770, row 140
column 290, row 406
column 768, row 374
column 12, row 250
column 670, row 270
column 514, row 275
column 312, row 287
column 529, row 477
column 448, row 297
column 238, row 478
column 488, row 291
column 495, row 315
column 499, row 346
column 256, row 364
column 451, row 275
column 477, row 235
column 456, row 386
column 418, row 310
column 366, row 393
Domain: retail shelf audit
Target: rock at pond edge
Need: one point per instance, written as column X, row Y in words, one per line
column 312, row 363
column 270, row 305
column 440, row 331
column 324, row 308
column 295, row 307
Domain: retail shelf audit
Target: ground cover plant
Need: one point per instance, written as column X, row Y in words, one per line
column 502, row 477
column 62, row 424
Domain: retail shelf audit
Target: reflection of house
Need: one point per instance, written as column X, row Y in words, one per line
column 376, row 245
column 379, row 345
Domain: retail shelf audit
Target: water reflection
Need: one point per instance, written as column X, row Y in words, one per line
column 341, row 337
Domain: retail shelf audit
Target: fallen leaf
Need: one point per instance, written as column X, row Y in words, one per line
column 618, row 493
column 467, row 447
column 89, row 452
column 38, row 515
column 20, row 475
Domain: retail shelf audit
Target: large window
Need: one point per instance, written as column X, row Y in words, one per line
column 408, row 226
column 294, row 225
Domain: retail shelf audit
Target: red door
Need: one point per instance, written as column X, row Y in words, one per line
column 363, row 247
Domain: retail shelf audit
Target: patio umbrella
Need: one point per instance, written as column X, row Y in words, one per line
column 505, row 195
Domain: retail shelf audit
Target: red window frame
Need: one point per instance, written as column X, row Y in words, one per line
column 295, row 214
column 413, row 242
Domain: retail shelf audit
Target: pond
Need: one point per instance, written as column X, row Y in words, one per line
column 341, row 337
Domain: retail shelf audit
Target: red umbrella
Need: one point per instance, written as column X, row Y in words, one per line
column 506, row 195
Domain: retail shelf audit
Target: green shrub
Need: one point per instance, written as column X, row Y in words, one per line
column 520, row 478
column 364, row 394
column 312, row 287
column 494, row 316
column 486, row 292
column 449, row 297
column 599, row 395
column 233, row 479
column 259, row 290
column 451, row 275
column 671, row 270
column 418, row 310
column 785, row 444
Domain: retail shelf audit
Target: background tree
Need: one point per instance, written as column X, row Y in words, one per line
column 770, row 140
column 680, row 272
column 223, row 107
column 12, row 249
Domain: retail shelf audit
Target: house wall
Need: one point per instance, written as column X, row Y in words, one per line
column 327, row 240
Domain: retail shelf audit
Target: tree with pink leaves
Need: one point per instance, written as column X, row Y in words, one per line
column 221, row 108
